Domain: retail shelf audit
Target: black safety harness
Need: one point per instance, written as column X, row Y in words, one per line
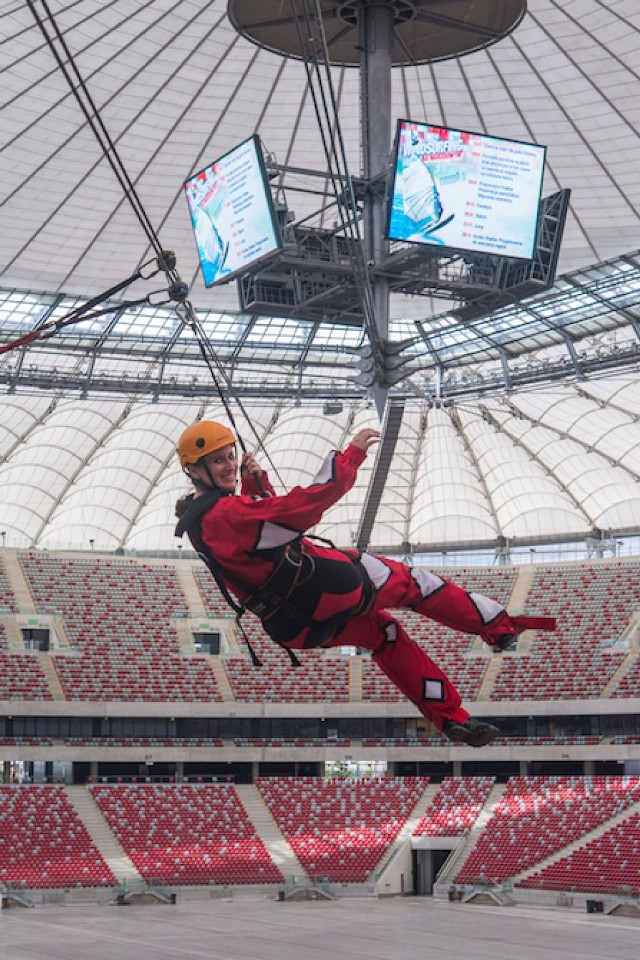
column 282, row 614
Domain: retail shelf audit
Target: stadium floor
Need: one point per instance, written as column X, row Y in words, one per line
column 340, row 930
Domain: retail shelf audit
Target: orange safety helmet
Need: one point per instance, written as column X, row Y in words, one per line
column 202, row 438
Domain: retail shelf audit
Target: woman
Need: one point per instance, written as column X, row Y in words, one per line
column 308, row 595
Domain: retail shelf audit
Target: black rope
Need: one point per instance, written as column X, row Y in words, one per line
column 189, row 316
column 81, row 313
column 178, row 291
column 336, row 156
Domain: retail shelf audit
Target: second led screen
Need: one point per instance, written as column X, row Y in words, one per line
column 465, row 191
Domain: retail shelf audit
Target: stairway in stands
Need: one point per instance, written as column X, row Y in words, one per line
column 406, row 831
column 22, row 594
column 467, row 844
column 86, row 808
column 269, row 832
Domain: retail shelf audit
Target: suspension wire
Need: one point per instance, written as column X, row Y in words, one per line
column 83, row 311
column 178, row 291
column 337, row 177
column 336, row 156
column 190, row 318
column 166, row 261
column 362, row 274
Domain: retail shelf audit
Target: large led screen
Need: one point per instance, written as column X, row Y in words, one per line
column 465, row 191
column 232, row 213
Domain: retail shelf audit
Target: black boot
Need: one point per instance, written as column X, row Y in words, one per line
column 513, row 627
column 475, row 733
column 507, row 641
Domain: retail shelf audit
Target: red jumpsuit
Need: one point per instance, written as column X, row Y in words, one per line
column 243, row 534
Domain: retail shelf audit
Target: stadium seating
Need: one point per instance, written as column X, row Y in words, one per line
column 26, row 742
column 175, row 742
column 21, row 677
column 186, row 833
column 117, row 617
column 319, row 679
column 593, row 603
column 199, row 833
column 447, row 647
column 43, row 843
column 536, row 816
column 607, row 864
column 455, row 807
column 214, row 603
column 291, row 742
column 340, row 829
column 629, row 684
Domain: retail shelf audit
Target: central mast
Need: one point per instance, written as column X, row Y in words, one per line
column 375, row 32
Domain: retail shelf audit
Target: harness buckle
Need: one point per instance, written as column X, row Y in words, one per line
column 294, row 561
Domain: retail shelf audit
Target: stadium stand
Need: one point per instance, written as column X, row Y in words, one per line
column 117, row 616
column 214, row 603
column 176, row 742
column 593, row 604
column 7, row 599
column 21, row 677
column 537, row 816
column 455, row 807
column 186, row 833
column 43, row 842
column 448, row 647
column 629, row 684
column 340, row 829
column 320, row 680
column 608, row 863
column 290, row 742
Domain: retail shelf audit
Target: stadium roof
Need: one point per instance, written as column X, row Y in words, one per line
column 522, row 424
column 176, row 87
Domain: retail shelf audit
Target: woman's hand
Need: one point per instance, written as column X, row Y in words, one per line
column 366, row 438
column 250, row 466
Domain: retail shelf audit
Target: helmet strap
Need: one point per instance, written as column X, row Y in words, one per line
column 209, row 475
column 198, row 481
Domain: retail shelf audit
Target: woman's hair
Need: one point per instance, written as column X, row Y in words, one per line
column 182, row 503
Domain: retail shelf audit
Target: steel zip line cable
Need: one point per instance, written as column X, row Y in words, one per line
column 335, row 154
column 178, row 290
column 189, row 316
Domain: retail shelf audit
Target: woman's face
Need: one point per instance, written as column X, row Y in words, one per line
column 223, row 465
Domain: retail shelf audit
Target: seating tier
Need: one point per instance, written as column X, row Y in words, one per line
column 606, row 864
column 22, row 678
column 340, row 829
column 118, row 617
column 7, row 599
column 593, row 604
column 449, row 648
column 187, row 833
column 43, row 842
column 455, row 807
column 537, row 816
